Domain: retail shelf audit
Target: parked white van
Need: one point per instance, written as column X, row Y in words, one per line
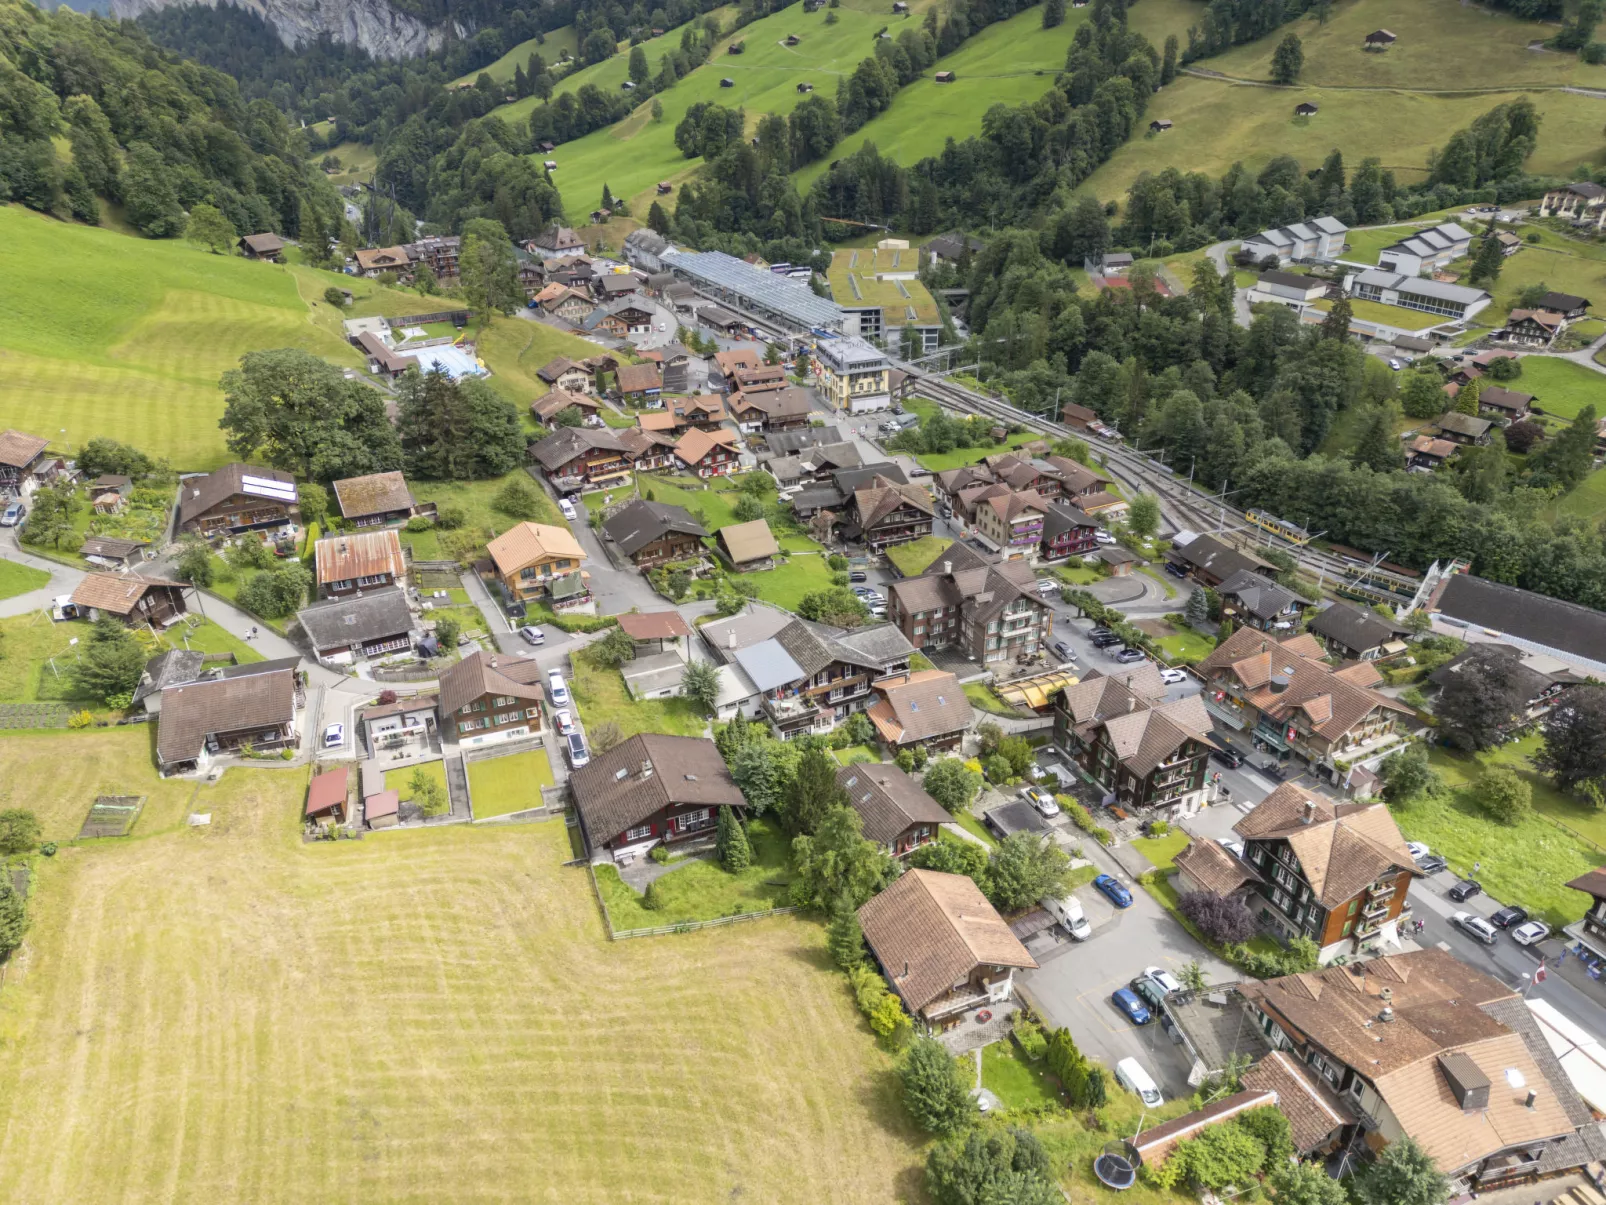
column 1130, row 1074
column 1068, row 912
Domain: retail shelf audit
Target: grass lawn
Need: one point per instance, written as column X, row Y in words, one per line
column 973, row 825
column 475, row 497
column 28, row 643
column 1185, row 646
column 855, row 753
column 207, row 637
column 600, row 696
column 1220, row 122
column 476, row 991
column 1077, row 574
column 1589, row 499
column 513, row 348
column 632, row 155
column 549, row 46
column 981, row 696
column 702, row 890
column 18, row 579
column 1011, row 63
column 1525, row 864
column 1014, row 1078
column 500, row 785
column 400, row 780
column 613, row 418
column 1347, row 426
column 126, row 337
column 915, row 557
column 1564, row 264
column 1560, row 387
column 1162, row 851
column 787, row 583
column 939, row 462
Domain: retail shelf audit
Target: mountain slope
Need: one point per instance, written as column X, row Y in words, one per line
column 380, row 27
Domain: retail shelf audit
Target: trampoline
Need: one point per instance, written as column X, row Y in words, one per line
column 1117, row 1166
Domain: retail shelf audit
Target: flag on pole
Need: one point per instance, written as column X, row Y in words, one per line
column 1540, row 973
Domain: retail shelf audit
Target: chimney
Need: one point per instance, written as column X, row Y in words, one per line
column 1310, row 812
column 905, row 975
column 1532, row 1098
column 948, row 567
column 730, row 640
column 1131, row 705
column 1281, row 679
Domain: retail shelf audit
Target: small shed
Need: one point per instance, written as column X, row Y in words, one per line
column 792, row 39
column 382, row 810
column 1304, row 109
column 805, row 86
column 900, row 6
column 1379, row 38
column 326, row 795
column 266, row 246
column 737, row 47
column 727, row 82
column 945, row 77
column 1159, row 126
column 551, row 165
column 664, row 188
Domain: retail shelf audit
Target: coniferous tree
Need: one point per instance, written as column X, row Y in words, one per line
column 1487, row 262
column 1288, row 60
column 730, row 842
column 1053, row 13
column 1378, row 448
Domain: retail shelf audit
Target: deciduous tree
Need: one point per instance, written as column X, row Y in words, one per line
column 207, row 227
column 1574, row 751
column 1223, row 919
column 19, row 832
column 1404, row 1174
column 1481, row 700
column 1143, row 516
column 1288, row 60
column 1023, row 868
column 701, row 685
column 1505, row 795
column 837, row 865
column 992, row 1167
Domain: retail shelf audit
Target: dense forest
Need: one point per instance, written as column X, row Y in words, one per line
column 149, row 130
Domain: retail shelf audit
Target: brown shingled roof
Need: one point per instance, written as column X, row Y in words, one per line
column 638, row 378
column 1312, row 1109
column 1341, row 847
column 374, row 494
column 930, row 930
column 888, row 799
column 653, row 625
column 196, row 709
column 918, row 706
column 18, row 449
column 748, row 541
column 650, row 771
column 116, row 593
column 1213, row 868
column 481, row 673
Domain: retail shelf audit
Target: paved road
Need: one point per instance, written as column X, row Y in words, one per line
column 1073, row 983
column 1240, row 303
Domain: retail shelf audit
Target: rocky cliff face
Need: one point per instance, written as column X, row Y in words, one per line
column 383, row 31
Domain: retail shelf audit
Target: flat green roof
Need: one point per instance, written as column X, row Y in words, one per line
column 855, row 284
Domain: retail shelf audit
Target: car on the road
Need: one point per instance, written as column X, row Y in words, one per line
column 576, row 747
column 1465, row 890
column 1432, row 864
column 15, row 514
column 564, row 721
column 1129, row 1073
column 558, row 688
column 334, row 735
column 1508, row 917
column 1230, row 758
column 1395, row 365
column 1099, row 630
column 1171, row 676
column 1040, row 799
column 1103, row 537
column 1168, row 982
column 1176, row 570
column 532, row 634
column 1475, row 927
column 1068, row 912
column 1128, row 655
column 1048, row 585
column 1110, row 889
column 1417, row 850
column 567, row 508
column 1135, row 1011
column 1532, row 931
column 1063, row 651
column 858, row 575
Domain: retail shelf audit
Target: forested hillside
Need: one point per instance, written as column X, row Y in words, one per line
column 147, row 130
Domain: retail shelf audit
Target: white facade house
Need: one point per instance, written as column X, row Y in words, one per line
column 1288, row 288
column 1584, row 203
column 1319, row 238
column 1426, row 250
column 1415, row 293
column 853, row 375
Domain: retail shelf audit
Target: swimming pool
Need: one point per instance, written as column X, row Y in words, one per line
column 453, row 361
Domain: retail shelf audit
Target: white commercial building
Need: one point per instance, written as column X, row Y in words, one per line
column 1426, row 250
column 1319, row 238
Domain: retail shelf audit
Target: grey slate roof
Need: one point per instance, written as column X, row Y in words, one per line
column 813, row 647
column 635, row 526
column 1354, row 627
column 1261, row 597
column 1214, row 556
column 168, row 669
column 883, row 642
column 769, row 665
column 787, row 443
column 559, row 449
column 346, row 621
column 660, row 671
column 758, row 622
column 888, row 800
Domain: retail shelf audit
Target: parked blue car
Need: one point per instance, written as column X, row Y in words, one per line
column 1113, row 891
column 1134, row 1009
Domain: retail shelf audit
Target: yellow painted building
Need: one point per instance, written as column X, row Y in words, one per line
column 852, row 375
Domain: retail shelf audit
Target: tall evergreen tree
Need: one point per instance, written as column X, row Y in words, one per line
column 1288, row 60
column 1336, row 324
column 1168, row 64
column 1486, row 264
column 730, row 842
column 812, row 792
column 1053, row 13
column 1378, row 448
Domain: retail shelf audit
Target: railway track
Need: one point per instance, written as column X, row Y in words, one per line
column 1188, row 507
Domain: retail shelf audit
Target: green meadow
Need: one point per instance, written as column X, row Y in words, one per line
column 549, row 46
column 1010, row 63
column 632, row 156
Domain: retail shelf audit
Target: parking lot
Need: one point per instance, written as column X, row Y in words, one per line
column 1074, row 981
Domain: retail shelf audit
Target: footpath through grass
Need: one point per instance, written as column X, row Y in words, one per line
column 703, row 890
